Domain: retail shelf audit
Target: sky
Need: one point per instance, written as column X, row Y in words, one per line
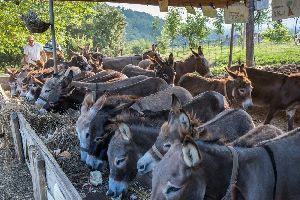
column 154, row 10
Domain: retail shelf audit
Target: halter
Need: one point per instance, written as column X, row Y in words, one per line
column 234, row 173
column 157, row 152
column 271, row 156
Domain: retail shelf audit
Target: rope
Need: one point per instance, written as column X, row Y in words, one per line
column 234, row 173
column 157, row 152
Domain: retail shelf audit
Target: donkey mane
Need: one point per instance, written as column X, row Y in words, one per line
column 220, row 116
column 134, row 118
column 280, row 137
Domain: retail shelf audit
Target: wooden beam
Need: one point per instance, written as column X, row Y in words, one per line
column 250, row 36
column 15, row 129
column 51, row 12
column 231, row 45
column 163, row 5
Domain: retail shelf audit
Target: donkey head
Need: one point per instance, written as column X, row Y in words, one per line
column 180, row 179
column 122, row 159
column 80, row 61
column 177, row 127
column 241, row 88
column 199, row 62
column 164, row 69
column 55, row 88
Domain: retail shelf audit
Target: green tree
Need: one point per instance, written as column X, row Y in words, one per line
column 155, row 27
column 195, row 29
column 171, row 27
column 218, row 22
column 279, row 33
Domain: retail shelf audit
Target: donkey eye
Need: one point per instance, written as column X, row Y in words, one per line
column 47, row 90
column 120, row 161
column 242, row 90
column 167, row 145
column 171, row 190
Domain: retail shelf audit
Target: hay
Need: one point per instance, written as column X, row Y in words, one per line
column 58, row 133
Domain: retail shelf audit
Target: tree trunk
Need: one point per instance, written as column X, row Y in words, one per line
column 51, row 12
column 296, row 23
column 250, row 35
column 231, row 46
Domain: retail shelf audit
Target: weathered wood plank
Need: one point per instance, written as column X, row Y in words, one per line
column 15, row 128
column 59, row 186
column 38, row 173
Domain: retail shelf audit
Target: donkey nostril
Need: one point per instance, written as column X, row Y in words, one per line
column 110, row 193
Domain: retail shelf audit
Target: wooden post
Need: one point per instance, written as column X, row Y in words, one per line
column 231, row 45
column 15, row 128
column 38, row 171
column 53, row 35
column 250, row 35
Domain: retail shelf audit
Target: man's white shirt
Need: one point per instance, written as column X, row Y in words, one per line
column 33, row 52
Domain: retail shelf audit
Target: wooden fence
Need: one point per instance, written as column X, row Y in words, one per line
column 49, row 181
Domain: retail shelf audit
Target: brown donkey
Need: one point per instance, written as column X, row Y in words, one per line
column 277, row 91
column 195, row 63
column 237, row 87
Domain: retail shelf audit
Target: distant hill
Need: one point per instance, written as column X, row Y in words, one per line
column 139, row 25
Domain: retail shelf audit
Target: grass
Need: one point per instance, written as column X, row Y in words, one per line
column 264, row 53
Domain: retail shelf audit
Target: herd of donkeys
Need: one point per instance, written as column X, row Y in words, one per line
column 160, row 120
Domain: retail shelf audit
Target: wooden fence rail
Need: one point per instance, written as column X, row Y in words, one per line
column 49, row 181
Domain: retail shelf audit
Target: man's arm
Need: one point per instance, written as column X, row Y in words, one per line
column 26, row 55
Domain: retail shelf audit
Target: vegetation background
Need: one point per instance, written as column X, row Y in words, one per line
column 117, row 31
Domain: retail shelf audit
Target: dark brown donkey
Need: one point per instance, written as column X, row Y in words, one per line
column 204, row 171
column 195, row 63
column 278, row 91
column 237, row 88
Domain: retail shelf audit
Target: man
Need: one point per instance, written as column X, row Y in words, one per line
column 32, row 53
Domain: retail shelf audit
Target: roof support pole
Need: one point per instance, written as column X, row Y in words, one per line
column 250, row 35
column 53, row 35
column 231, row 45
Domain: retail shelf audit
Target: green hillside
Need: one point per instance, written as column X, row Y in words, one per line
column 139, row 25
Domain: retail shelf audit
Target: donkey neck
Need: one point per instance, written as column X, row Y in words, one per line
column 217, row 167
column 228, row 88
column 144, row 136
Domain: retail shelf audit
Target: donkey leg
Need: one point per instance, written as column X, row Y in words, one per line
column 270, row 115
column 291, row 116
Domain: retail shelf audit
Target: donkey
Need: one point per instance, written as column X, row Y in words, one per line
column 195, row 63
column 60, row 92
column 162, row 70
column 204, row 170
column 12, row 81
column 237, row 88
column 92, row 124
column 125, row 148
column 277, row 91
column 222, row 128
column 105, row 76
column 118, row 63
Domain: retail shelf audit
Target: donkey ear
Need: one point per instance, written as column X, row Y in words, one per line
column 190, row 152
column 38, row 81
column 175, row 102
column 200, row 52
column 195, row 54
column 170, row 59
column 125, row 131
column 184, row 122
column 9, row 71
column 88, row 101
column 232, row 74
column 100, row 102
